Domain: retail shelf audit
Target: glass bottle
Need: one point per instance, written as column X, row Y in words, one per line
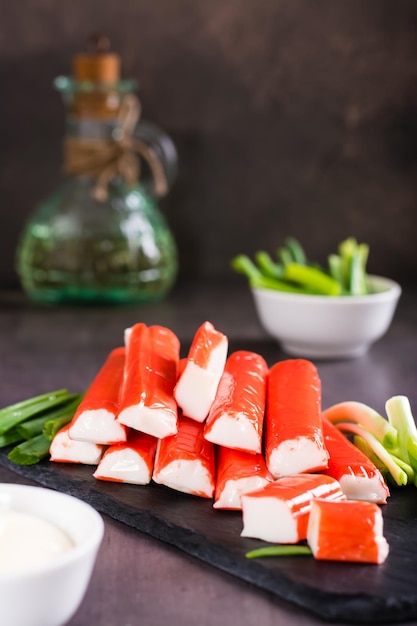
column 93, row 241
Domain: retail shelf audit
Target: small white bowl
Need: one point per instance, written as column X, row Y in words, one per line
column 328, row 327
column 50, row 594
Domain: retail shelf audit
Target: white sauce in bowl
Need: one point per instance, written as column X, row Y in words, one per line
column 28, row 541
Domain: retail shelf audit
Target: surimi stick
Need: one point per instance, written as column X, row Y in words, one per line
column 357, row 475
column 185, row 461
column 238, row 473
column 347, row 531
column 95, row 419
column 237, row 413
column 197, row 385
column 63, row 449
column 294, row 439
column 130, row 462
column 279, row 511
column 151, row 366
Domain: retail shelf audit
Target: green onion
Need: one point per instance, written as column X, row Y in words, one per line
column 54, row 423
column 357, row 278
column 284, row 550
column 31, row 451
column 296, row 251
column 268, row 266
column 367, row 450
column 31, row 428
column 17, row 413
column 352, row 271
column 285, row 256
column 312, row 279
column 12, row 436
column 63, row 413
column 346, row 273
column 244, row 265
column 400, row 417
column 411, row 474
column 399, row 475
column 336, row 271
column 36, row 421
column 365, row 416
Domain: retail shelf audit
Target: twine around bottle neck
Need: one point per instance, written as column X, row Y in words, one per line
column 120, row 156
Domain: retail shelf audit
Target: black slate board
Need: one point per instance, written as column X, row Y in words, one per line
column 332, row 591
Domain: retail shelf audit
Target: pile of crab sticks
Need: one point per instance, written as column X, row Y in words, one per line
column 250, row 437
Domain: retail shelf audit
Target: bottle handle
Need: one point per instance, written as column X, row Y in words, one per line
column 164, row 148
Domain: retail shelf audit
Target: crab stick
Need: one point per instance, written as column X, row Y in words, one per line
column 294, row 439
column 63, row 449
column 347, row 531
column 185, row 461
column 130, row 462
column 95, row 419
column 237, row 413
column 151, row 366
column 279, row 511
column 197, row 385
column 238, row 473
column 356, row 473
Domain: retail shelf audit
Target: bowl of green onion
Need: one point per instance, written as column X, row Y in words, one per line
column 328, row 313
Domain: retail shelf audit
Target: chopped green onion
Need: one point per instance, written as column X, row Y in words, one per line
column 285, row 256
column 52, row 427
column 312, row 279
column 367, row 450
column 336, row 270
column 32, row 427
column 54, row 423
column 244, row 265
column 400, row 416
column 12, row 436
column 406, row 467
column 31, row 451
column 16, row 414
column 27, row 420
column 345, row 275
column 353, row 258
column 365, row 416
column 29, row 402
column 296, row 251
column 63, row 413
column 268, row 266
column 283, row 550
column 399, row 475
column 358, row 285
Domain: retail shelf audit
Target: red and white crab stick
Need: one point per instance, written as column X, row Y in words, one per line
column 347, row 531
column 237, row 414
column 185, row 461
column 129, row 462
column 95, row 419
column 294, row 439
column 151, row 368
column 357, row 475
column 238, row 473
column 197, row 385
column 63, row 449
column 279, row 512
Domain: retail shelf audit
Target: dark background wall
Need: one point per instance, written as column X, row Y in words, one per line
column 291, row 117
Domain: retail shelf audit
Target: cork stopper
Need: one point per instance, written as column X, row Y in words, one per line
column 97, row 64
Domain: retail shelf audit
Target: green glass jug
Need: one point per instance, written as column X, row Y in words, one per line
column 101, row 236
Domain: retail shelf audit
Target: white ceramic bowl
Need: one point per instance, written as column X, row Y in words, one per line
column 50, row 594
column 328, row 326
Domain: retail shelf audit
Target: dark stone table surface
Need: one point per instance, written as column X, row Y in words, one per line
column 137, row 579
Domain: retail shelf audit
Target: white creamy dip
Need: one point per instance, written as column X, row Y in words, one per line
column 27, row 541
